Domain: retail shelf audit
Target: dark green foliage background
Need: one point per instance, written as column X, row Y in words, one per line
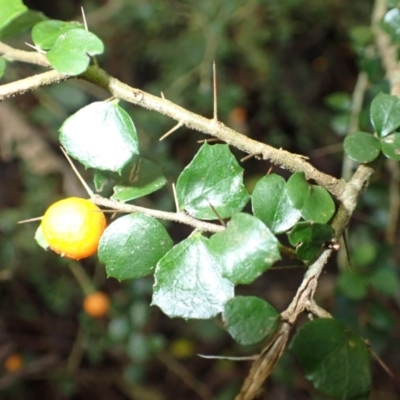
column 277, row 64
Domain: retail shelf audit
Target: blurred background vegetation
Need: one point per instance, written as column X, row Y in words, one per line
column 286, row 74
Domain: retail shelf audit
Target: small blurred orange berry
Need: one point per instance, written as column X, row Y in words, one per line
column 96, row 304
column 13, row 362
column 182, row 348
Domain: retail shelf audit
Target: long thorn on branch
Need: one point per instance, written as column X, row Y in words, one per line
column 175, row 128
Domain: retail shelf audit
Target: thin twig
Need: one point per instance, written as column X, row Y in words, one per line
column 84, row 19
column 248, row 157
column 215, row 113
column 79, row 176
column 168, row 216
column 34, row 219
column 282, row 158
column 175, row 198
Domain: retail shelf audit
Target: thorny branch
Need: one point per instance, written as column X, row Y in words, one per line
column 347, row 194
column 281, row 158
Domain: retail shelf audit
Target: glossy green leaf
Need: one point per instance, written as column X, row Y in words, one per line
column 131, row 246
column 391, row 146
column 213, row 180
column 271, row 204
column 362, row 147
column 318, row 206
column 101, row 136
column 308, row 238
column 391, row 22
column 385, row 114
column 10, row 10
column 45, row 33
column 104, row 181
column 298, row 189
column 140, row 179
column 314, row 202
column 334, row 359
column 2, row 66
column 249, row 319
column 189, row 283
column 72, row 50
column 245, row 249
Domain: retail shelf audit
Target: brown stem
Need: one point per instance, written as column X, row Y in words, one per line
column 282, row 158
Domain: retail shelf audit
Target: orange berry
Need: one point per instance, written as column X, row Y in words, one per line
column 73, row 227
column 96, row 304
column 13, row 362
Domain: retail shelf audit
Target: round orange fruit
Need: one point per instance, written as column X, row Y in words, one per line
column 96, row 304
column 73, row 227
column 13, row 362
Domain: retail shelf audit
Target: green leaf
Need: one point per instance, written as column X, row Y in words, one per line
column 385, row 280
column 271, row 203
column 45, row 33
column 72, row 50
column 101, row 136
column 393, row 3
column 381, row 318
column 352, row 284
column 362, row 147
column 385, row 114
column 40, row 239
column 189, row 283
column 314, row 202
column 309, row 238
column 132, row 245
column 334, row 359
column 22, row 22
column 213, row 180
column 3, row 65
column 298, row 189
column 391, row 146
column 249, row 319
column 245, row 249
column 391, row 22
column 10, row 10
column 339, row 123
column 339, row 101
column 139, row 179
column 361, row 36
column 319, row 206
